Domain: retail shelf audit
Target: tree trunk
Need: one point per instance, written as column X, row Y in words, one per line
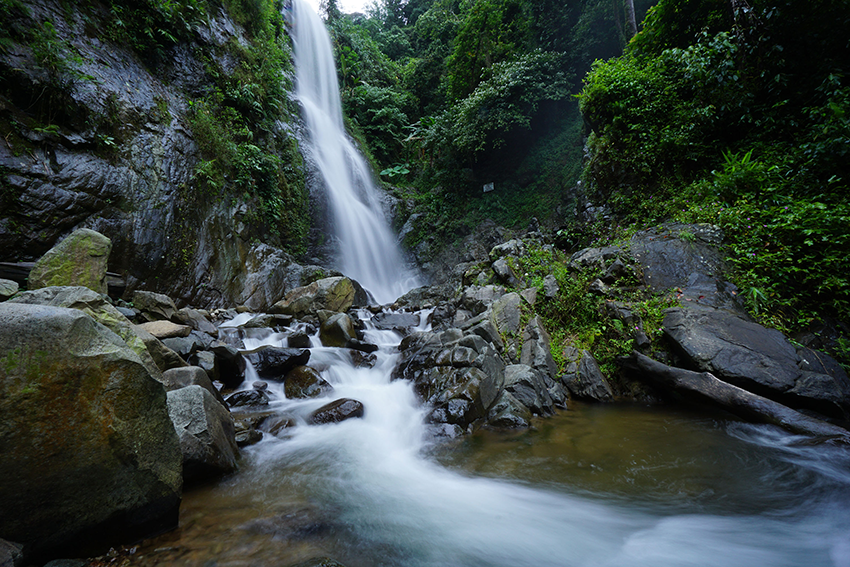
column 631, row 23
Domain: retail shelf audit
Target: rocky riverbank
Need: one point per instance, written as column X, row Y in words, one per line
column 112, row 405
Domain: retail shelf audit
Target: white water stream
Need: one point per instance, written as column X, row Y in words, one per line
column 368, row 251
column 581, row 490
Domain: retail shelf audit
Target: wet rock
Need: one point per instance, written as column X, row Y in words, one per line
column 528, row 388
column 245, row 437
column 362, row 359
column 305, row 382
column 154, row 306
column 508, row 413
column 177, row 378
column 79, row 260
column 109, row 462
column 751, row 357
column 334, row 294
column 268, row 321
column 166, row 329
column 206, row 432
column 336, row 411
column 8, row 288
column 298, row 340
column 583, row 378
column 337, row 331
column 231, row 364
column 274, row 362
column 248, row 399
column 400, row 322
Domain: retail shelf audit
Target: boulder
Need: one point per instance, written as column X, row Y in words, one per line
column 86, row 445
column 686, row 257
column 8, row 288
column 510, row 248
column 506, row 274
column 154, row 306
column 298, row 339
column 275, row 362
column 478, row 299
column 78, row 260
column 208, row 362
column 752, row 357
column 231, row 364
column 195, row 319
column 336, row 411
column 206, row 432
column 177, row 378
column 527, row 387
column 337, row 331
column 97, row 306
column 508, row 413
column 163, row 357
column 595, row 257
column 334, row 294
column 305, row 382
column 166, row 329
column 390, row 321
column 248, row 398
column 583, row 378
column 536, row 348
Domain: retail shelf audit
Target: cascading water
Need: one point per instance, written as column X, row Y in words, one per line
column 368, row 251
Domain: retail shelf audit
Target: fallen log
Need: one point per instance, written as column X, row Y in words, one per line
column 751, row 407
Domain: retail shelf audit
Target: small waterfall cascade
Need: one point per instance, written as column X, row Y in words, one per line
column 369, row 252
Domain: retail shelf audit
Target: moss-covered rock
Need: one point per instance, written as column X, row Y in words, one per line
column 88, row 454
column 79, row 260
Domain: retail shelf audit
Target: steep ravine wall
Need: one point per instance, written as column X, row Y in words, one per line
column 109, row 146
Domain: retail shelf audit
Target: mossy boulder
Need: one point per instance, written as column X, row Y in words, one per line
column 79, row 260
column 332, row 294
column 88, row 454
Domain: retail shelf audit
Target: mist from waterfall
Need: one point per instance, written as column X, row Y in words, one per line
column 368, row 250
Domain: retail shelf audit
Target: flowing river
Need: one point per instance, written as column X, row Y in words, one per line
column 594, row 486
column 597, row 485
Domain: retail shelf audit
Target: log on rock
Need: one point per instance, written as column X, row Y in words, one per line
column 738, row 401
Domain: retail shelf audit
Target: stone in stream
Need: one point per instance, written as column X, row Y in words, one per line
column 335, row 294
column 400, row 322
column 248, row 399
column 79, row 260
column 176, row 378
column 305, row 382
column 86, row 445
column 336, row 411
column 206, row 432
column 273, row 363
column 337, row 331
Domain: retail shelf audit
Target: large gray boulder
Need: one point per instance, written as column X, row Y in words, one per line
column 8, row 288
column 87, row 449
column 752, row 357
column 80, row 259
column 97, row 306
column 206, row 432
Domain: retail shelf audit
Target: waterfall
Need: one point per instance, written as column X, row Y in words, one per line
column 368, row 250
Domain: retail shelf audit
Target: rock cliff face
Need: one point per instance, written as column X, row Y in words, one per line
column 99, row 134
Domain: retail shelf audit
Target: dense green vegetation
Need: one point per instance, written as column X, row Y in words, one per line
column 448, row 95
column 743, row 122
